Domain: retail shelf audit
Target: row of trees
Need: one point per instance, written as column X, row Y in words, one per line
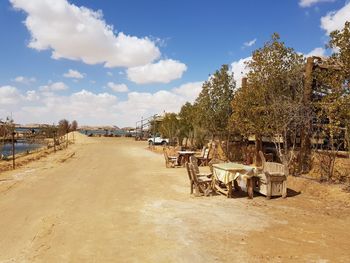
column 64, row 126
column 8, row 135
column 7, row 127
column 285, row 97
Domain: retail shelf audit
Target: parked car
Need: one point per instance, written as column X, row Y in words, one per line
column 158, row 140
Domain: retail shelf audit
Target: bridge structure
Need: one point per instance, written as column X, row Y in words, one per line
column 143, row 126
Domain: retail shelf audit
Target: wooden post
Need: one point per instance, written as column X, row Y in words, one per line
column 305, row 147
column 13, row 151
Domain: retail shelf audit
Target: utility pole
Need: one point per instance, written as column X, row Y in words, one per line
column 13, row 150
column 141, row 135
column 305, row 147
column 154, row 128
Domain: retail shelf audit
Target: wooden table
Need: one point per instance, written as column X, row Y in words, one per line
column 184, row 156
column 228, row 173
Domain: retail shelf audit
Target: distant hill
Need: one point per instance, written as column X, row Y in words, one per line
column 86, row 127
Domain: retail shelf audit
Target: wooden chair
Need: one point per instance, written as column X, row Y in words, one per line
column 204, row 160
column 201, row 185
column 170, row 161
column 202, row 152
column 194, row 162
column 272, row 179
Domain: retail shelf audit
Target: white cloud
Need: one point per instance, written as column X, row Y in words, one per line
column 79, row 33
column 110, row 74
column 336, row 20
column 73, row 74
column 163, row 71
column 250, row 43
column 84, row 106
column 32, row 95
column 308, row 3
column 55, row 86
column 38, row 106
column 147, row 104
column 9, row 95
column 24, row 80
column 118, row 87
column 240, row 70
column 319, row 51
column 189, row 91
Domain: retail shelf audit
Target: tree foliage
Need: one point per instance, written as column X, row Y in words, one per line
column 74, row 125
column 333, row 86
column 186, row 122
column 332, row 106
column 63, row 126
column 169, row 127
column 213, row 105
column 271, row 102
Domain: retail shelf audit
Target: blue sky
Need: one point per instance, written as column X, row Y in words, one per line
column 111, row 62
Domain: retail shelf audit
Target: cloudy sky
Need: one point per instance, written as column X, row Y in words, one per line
column 111, row 62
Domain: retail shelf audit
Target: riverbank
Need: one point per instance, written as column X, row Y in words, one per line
column 24, row 157
column 114, row 201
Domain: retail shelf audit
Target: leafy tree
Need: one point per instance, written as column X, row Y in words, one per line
column 340, row 41
column 169, row 127
column 7, row 127
column 270, row 104
column 63, row 127
column 332, row 94
column 154, row 125
column 213, row 105
column 74, row 125
column 186, row 124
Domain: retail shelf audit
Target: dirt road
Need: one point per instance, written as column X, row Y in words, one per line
column 114, row 201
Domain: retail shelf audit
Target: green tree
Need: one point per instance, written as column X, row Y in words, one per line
column 186, row 123
column 7, row 127
column 154, row 125
column 270, row 104
column 213, row 105
column 333, row 98
column 169, row 127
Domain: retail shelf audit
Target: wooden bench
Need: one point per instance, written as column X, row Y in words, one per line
column 272, row 179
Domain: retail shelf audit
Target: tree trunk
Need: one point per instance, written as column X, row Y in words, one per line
column 228, row 146
column 258, row 147
column 13, row 151
column 305, row 147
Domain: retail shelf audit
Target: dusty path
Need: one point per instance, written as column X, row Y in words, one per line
column 115, row 202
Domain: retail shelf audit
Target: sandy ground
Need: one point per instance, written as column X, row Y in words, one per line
column 114, row 201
